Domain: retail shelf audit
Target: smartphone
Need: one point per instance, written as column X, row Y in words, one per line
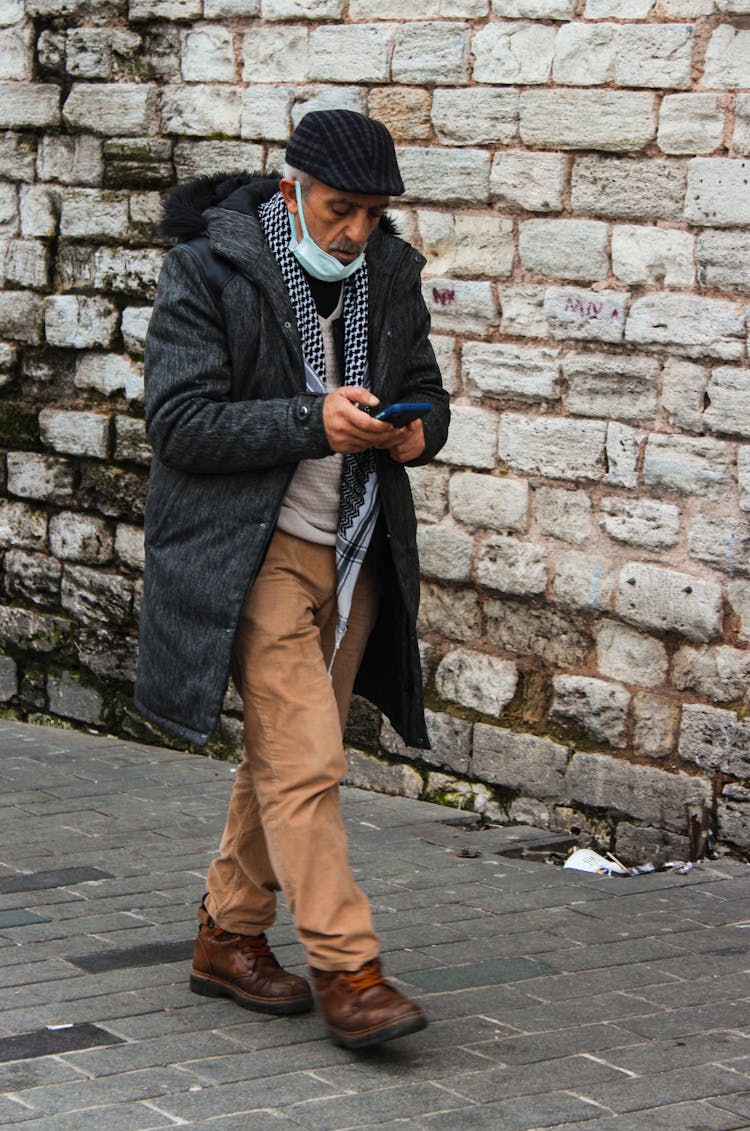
column 403, row 413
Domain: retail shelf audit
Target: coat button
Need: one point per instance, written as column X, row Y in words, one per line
column 304, row 411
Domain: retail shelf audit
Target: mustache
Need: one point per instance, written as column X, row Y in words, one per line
column 347, row 247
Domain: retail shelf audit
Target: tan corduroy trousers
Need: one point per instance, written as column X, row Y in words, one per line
column 284, row 827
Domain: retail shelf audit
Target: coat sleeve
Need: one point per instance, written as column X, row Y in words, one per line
column 192, row 423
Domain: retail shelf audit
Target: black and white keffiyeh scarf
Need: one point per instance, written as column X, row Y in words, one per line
column 360, row 502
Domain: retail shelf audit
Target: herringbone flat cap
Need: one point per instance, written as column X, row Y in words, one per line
column 347, row 151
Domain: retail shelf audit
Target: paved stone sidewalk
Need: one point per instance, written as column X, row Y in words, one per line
column 557, row 999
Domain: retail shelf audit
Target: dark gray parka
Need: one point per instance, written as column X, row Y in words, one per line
column 228, row 418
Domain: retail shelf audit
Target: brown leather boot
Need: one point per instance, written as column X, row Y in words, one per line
column 361, row 1008
column 243, row 968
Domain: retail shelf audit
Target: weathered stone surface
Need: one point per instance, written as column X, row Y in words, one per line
column 627, row 189
column 429, row 488
column 73, row 700
column 445, row 175
column 651, row 596
column 201, row 109
column 648, row 255
column 129, row 545
column 405, row 110
column 523, row 311
column 535, row 9
column 198, row 158
column 430, row 52
column 450, row 741
column 476, row 680
column 715, row 740
column 22, row 525
column 21, row 316
column 534, row 766
column 365, row 772
column 40, row 632
column 70, row 160
column 8, row 678
column 656, row 720
column 33, row 577
column 734, row 815
column 727, row 61
column 111, row 109
column 135, row 320
column 600, row 707
column 510, row 372
column 75, row 433
column 475, row 115
column 738, row 594
column 724, row 260
column 623, row 452
column 641, row 522
column 265, row 111
column 29, row 105
column 622, row 9
column 728, row 401
column 688, row 324
column 720, row 673
column 80, row 538
column 89, row 213
column 95, row 596
column 683, row 389
column 636, row 845
column 607, row 385
column 112, row 491
column 518, row 628
column 277, row 54
column 459, row 244
column 451, row 613
column 532, row 181
column 690, row 123
column 109, row 373
column 472, row 438
column 208, row 55
column 641, row 792
column 629, row 656
column 571, row 312
column 566, row 249
column 39, row 211
column 80, row 322
column 613, row 121
column 445, row 354
column 39, row 477
column 456, row 305
column 690, row 466
column 26, row 264
column 723, row 542
column 717, row 195
column 353, row 53
column 563, row 514
column 445, row 552
column 585, row 54
column 553, row 446
column 483, row 501
column 509, row 53
column 584, row 581
column 741, row 134
column 507, row 565
column 17, row 156
column 325, row 97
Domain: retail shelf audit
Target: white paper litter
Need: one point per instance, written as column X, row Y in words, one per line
column 586, row 860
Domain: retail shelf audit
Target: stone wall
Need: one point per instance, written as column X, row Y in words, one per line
column 578, row 176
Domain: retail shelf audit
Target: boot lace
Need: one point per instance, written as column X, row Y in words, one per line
column 366, row 978
column 256, row 946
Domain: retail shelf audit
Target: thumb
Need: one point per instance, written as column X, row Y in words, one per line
column 359, row 395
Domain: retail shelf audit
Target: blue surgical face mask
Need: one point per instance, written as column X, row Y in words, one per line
column 315, row 261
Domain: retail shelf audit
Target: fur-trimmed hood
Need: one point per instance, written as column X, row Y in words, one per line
column 184, row 209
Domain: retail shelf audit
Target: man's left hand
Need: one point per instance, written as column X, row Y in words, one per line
column 412, row 444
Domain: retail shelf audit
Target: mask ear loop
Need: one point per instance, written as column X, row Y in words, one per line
column 301, row 213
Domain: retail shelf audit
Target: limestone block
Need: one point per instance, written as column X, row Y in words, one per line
column 476, row 680
column 611, row 120
column 721, row 541
column 475, row 115
column 728, row 401
column 129, row 545
column 22, row 525
column 719, row 673
column 727, row 62
column 535, row 9
column 68, row 697
column 690, row 466
column 8, row 678
column 135, row 320
column 95, row 596
column 75, row 433
column 584, row 581
column 39, row 208
column 629, row 656
column 80, row 322
column 532, row 181
column 724, row 260
column 600, row 707
column 33, row 577
column 197, row 158
column 639, row 844
column 27, row 264
column 109, row 373
column 265, row 112
column 351, row 53
column 715, row 740
column 656, row 720
column 131, row 443
column 654, row 55
column 450, row 741
column 523, row 311
column 430, row 52
column 568, row 249
column 508, row 53
column 418, row 9
column 91, row 214
column 112, row 109
column 535, row 766
column 509, row 371
column 8, row 210
column 472, row 438
column 717, row 195
column 553, row 446
column 563, row 514
column 690, row 123
column 653, row 597
column 33, row 476
column 743, row 476
column 619, row 386
column 734, row 815
column 507, row 565
column 29, row 105
column 621, row 9
column 21, row 317
column 365, row 772
column 445, row 552
column 80, row 538
column 164, row 9
column 684, row 9
column 462, row 244
column 221, row 9
column 71, row 161
column 429, row 488
column 463, row 307
column 200, row 109
column 453, row 614
column 741, row 135
column 17, row 156
column 445, row 175
column 647, row 255
column 485, row 502
column 17, row 53
column 546, row 633
column 327, row 97
column 301, row 9
column 630, row 189
column 11, row 12
column 688, row 324
column 585, row 54
column 405, row 110
column 127, row 270
column 683, row 388
column 641, row 522
column 642, row 792
column 208, row 54
column 8, row 359
column 572, row 312
column 445, row 355
column 277, row 54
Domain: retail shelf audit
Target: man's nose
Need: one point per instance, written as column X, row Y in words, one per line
column 359, row 228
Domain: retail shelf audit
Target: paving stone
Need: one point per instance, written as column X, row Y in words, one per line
column 50, row 1042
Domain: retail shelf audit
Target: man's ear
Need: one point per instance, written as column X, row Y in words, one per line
column 289, row 192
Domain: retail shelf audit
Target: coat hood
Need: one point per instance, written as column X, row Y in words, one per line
column 185, row 208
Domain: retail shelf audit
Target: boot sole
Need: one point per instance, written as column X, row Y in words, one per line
column 211, row 987
column 378, row 1036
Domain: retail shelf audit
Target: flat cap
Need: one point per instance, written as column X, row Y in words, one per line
column 347, row 151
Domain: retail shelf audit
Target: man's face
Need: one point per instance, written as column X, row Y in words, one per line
column 339, row 222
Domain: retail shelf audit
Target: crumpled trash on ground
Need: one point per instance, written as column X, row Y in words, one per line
column 586, row 860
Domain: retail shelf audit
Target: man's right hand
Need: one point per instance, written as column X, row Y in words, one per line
column 349, row 429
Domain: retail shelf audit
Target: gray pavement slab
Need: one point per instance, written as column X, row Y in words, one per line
column 556, row 999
